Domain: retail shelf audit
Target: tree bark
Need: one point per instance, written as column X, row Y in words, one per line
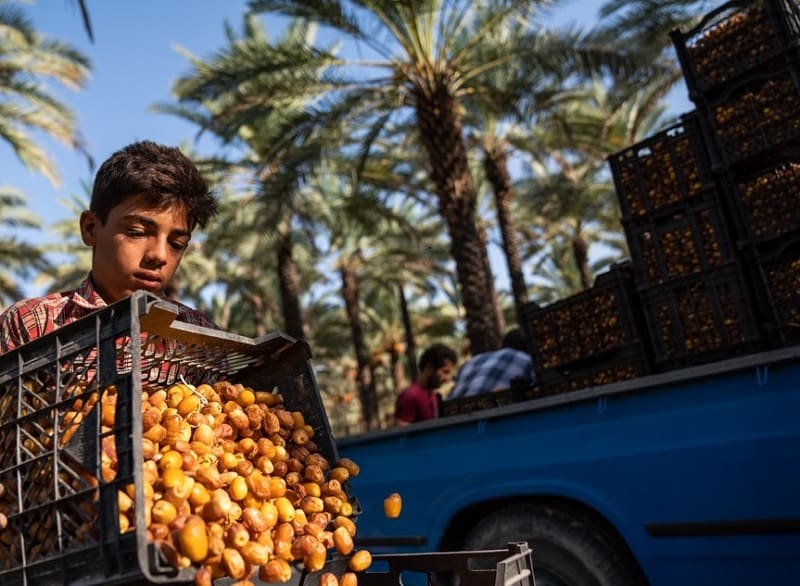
column 259, row 314
column 411, row 345
column 365, row 379
column 495, row 163
column 398, row 372
column 497, row 311
column 580, row 251
column 289, row 285
column 442, row 135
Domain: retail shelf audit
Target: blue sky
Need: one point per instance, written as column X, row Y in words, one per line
column 134, row 64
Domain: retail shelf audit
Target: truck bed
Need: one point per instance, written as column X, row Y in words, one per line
column 696, row 469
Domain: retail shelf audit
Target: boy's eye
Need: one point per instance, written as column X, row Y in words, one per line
column 135, row 233
column 178, row 245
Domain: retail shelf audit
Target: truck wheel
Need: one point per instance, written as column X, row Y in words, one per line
column 567, row 549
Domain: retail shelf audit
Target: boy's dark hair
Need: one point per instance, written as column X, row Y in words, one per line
column 437, row 355
column 163, row 175
column 515, row 338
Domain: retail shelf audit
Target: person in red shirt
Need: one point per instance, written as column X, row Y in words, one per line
column 146, row 201
column 419, row 401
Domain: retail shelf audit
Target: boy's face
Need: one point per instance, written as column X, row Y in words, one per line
column 433, row 378
column 138, row 248
column 444, row 374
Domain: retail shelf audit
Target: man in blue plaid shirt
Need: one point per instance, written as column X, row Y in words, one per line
column 497, row 370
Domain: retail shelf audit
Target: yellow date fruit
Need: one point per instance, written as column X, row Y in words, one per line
column 392, row 505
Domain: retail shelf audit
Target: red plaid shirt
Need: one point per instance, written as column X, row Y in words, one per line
column 29, row 319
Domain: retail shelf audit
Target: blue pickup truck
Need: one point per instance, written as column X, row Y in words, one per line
column 690, row 477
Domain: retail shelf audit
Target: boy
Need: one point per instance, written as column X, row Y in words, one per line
column 419, row 401
column 147, row 199
column 494, row 371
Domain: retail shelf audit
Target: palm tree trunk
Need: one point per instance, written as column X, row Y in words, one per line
column 398, row 372
column 365, row 378
column 259, row 314
column 495, row 163
column 289, row 280
column 411, row 345
column 580, row 252
column 500, row 321
column 442, row 135
column 225, row 314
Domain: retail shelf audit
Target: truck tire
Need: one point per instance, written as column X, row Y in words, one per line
column 567, row 549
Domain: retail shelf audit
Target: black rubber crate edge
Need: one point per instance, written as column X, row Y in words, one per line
column 492, row 567
column 463, row 405
column 765, row 205
column 656, row 260
column 675, row 313
column 677, row 179
column 618, row 281
column 108, row 347
column 741, row 140
column 775, row 278
column 625, row 363
column 746, row 52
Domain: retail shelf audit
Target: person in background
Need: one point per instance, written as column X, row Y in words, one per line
column 511, row 365
column 420, row 400
column 146, row 201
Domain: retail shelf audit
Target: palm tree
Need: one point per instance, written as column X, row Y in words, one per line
column 277, row 163
column 411, row 257
column 379, row 99
column 68, row 245
column 576, row 209
column 569, row 193
column 424, row 60
column 17, row 258
column 85, row 18
column 26, row 106
column 351, row 226
column 646, row 24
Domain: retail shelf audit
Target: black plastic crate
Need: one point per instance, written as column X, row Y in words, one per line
column 754, row 122
column 585, row 325
column 700, row 318
column 691, row 239
column 625, row 363
column 766, row 204
column 479, row 402
column 666, row 169
column 63, row 512
column 777, row 277
column 492, row 567
column 735, row 39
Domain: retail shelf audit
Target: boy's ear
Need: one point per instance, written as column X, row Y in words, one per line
column 88, row 224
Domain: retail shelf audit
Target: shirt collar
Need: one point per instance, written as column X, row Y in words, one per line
column 87, row 296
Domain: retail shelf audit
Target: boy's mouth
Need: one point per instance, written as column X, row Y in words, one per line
column 149, row 281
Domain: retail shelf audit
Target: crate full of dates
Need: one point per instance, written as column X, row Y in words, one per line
column 735, row 39
column 777, row 276
column 767, row 203
column 663, row 170
column 693, row 238
column 625, row 363
column 140, row 450
column 585, row 326
column 755, row 121
column 700, row 318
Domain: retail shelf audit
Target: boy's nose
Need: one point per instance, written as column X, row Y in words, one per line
column 157, row 251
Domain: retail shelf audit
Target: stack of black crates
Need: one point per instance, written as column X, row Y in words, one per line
column 711, row 212
column 590, row 338
column 741, row 64
column 690, row 282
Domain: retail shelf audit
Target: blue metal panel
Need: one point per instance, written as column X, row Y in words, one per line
column 666, row 465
